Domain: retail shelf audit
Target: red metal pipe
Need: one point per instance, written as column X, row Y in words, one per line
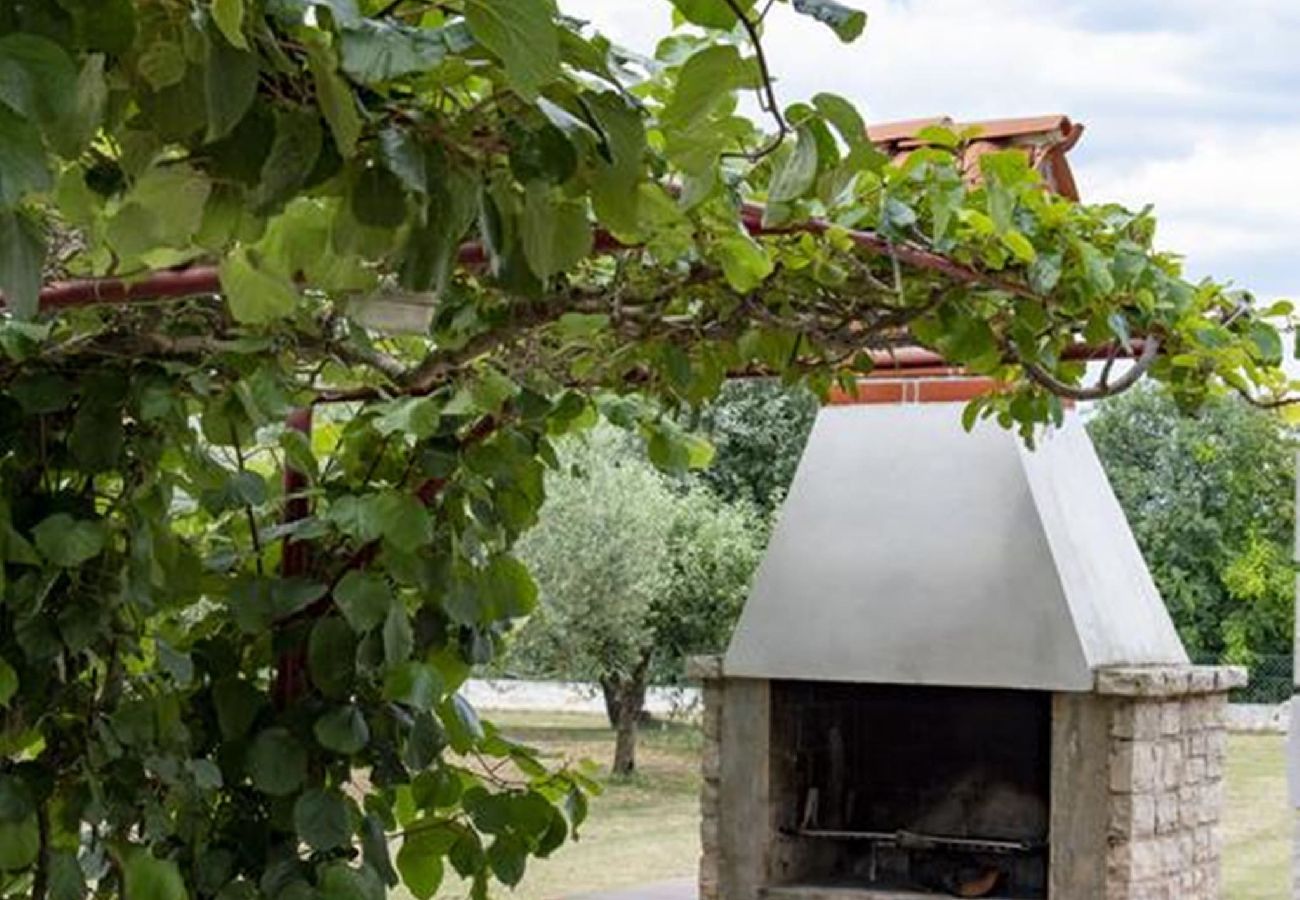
column 291, row 677
column 198, row 280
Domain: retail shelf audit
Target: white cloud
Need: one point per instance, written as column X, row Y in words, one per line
column 1189, row 104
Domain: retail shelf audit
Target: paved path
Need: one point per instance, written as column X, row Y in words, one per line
column 677, row 889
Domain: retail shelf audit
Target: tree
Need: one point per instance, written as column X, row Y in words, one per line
column 635, row 575
column 1210, row 497
column 252, row 543
column 758, row 429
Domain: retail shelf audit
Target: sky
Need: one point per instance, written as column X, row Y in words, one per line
column 1190, row 105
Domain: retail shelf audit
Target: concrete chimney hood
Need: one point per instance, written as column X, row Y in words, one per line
column 912, row 552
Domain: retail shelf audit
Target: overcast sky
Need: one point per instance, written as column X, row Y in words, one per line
column 1191, row 105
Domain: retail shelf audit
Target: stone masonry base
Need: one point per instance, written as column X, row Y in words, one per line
column 1137, row 788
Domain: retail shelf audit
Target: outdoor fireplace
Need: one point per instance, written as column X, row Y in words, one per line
column 897, row 786
column 954, row 677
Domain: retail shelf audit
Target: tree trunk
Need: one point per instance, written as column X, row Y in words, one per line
column 624, row 698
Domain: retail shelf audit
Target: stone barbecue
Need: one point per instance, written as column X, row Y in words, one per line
column 954, row 677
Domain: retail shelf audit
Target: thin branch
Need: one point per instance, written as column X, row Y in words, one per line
column 766, row 92
column 1043, row 378
column 1258, row 403
column 248, row 507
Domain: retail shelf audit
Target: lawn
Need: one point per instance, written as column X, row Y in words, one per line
column 1256, row 828
column 646, row 829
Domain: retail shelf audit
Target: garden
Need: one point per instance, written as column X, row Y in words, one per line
column 351, row 348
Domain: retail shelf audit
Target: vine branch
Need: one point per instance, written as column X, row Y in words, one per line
column 766, row 91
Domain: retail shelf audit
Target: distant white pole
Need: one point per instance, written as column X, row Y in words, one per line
column 1293, row 734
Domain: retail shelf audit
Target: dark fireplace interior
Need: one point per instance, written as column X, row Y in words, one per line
column 925, row 790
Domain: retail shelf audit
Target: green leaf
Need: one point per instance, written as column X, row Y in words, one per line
column 1019, row 245
column 420, row 861
column 711, row 13
column 145, row 877
column 343, row 730
column 404, row 157
column 336, row 101
column 581, row 326
column 276, row 762
column 363, row 599
column 429, row 255
column 846, row 22
column 464, row 729
column 1096, row 269
column 706, row 81
column 339, row 881
column 372, row 52
column 8, row 682
column 1267, row 342
column 796, row 176
column 255, row 295
column 508, row 858
column 556, row 232
column 614, row 196
column 22, row 159
column 238, row 704
column 164, row 208
column 67, row 882
column 522, row 34
column 844, row 116
column 229, row 16
column 37, row 77
column 745, row 264
column 323, row 820
column 22, row 258
column 413, row 683
column 229, row 87
column 374, row 850
column 398, row 637
column 20, row 843
column 331, row 655
column 162, row 64
column 510, row 586
column 403, row 520
column 78, row 125
column 377, row 198
column 294, row 154
column 69, row 542
column 417, row 417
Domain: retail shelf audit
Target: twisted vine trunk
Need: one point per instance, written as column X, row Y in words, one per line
column 624, row 701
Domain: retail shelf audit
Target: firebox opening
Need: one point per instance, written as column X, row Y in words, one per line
column 908, row 789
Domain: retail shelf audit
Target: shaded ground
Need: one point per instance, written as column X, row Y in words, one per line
column 646, row 831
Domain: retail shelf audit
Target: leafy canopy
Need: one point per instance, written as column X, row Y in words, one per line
column 451, row 231
column 1210, row 497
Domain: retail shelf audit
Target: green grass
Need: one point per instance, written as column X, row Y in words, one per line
column 1257, row 822
column 642, row 829
column 647, row 829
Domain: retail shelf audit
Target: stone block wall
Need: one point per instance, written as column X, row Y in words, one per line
column 707, row 670
column 1168, row 740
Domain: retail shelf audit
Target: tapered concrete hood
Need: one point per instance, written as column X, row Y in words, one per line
column 912, row 552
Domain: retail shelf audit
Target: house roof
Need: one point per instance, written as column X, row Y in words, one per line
column 1047, row 140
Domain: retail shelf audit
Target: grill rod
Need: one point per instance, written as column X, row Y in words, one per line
column 912, row 840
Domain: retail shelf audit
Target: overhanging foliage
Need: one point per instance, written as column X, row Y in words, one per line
column 251, row 546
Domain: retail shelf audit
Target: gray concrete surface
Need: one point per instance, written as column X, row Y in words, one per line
column 911, row 552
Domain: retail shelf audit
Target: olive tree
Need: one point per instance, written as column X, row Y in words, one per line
column 251, row 543
column 635, row 574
